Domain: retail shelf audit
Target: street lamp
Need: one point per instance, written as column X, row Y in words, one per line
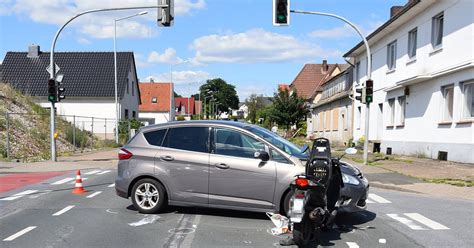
column 117, row 114
column 171, row 117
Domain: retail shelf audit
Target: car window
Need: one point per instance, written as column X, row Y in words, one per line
column 232, row 143
column 188, row 138
column 277, row 157
column 155, row 138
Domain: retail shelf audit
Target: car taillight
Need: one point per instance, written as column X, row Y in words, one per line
column 124, row 154
column 301, row 182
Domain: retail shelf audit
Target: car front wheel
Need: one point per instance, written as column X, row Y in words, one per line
column 148, row 196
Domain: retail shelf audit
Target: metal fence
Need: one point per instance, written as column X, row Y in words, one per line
column 26, row 136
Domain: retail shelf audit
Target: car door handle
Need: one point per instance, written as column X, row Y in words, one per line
column 222, row 166
column 167, row 158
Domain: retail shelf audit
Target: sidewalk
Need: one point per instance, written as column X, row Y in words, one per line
column 91, row 160
column 419, row 175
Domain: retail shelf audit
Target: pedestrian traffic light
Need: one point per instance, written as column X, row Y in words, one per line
column 166, row 14
column 61, row 93
column 360, row 97
column 52, row 94
column 281, row 12
column 369, row 91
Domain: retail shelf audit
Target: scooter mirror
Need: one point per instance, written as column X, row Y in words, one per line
column 350, row 151
column 304, row 148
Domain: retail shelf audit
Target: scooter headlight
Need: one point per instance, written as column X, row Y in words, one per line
column 349, row 179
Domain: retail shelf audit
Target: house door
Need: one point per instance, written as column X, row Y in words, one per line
column 380, row 121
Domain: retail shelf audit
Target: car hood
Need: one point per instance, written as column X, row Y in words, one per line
column 349, row 169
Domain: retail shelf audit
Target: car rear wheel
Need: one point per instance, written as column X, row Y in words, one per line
column 285, row 206
column 148, row 196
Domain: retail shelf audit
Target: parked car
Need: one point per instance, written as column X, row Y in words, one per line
column 219, row 164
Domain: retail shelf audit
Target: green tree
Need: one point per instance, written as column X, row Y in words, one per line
column 176, row 94
column 222, row 93
column 254, row 102
column 288, row 109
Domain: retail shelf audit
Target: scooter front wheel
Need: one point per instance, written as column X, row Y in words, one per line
column 305, row 233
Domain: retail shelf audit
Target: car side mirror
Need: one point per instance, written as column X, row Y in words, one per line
column 263, row 155
column 351, row 151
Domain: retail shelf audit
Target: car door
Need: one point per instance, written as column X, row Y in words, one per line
column 236, row 178
column 184, row 161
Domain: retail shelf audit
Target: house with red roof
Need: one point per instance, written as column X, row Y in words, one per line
column 155, row 103
column 184, row 106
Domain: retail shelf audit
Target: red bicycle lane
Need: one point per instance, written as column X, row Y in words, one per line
column 14, row 181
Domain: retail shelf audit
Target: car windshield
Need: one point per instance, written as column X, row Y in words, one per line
column 278, row 141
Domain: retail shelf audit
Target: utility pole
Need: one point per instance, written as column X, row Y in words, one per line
column 369, row 70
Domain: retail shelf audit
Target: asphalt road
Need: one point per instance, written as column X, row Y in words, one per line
column 47, row 214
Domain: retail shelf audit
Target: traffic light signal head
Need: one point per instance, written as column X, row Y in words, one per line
column 52, row 94
column 61, row 93
column 362, row 95
column 369, row 91
column 166, row 15
column 281, row 12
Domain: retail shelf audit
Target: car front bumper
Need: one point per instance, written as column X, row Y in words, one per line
column 354, row 196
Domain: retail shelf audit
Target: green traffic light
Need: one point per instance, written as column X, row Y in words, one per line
column 51, row 98
column 368, row 99
column 281, row 17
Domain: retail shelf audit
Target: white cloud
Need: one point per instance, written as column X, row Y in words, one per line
column 345, row 31
column 181, row 77
column 245, row 91
column 256, row 45
column 169, row 56
column 84, row 41
column 57, row 12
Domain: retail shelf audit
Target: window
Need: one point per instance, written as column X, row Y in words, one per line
column 412, row 43
column 128, row 82
column 194, row 139
column 134, row 114
column 155, row 138
column 126, row 113
column 277, row 157
column 232, row 143
column 133, row 88
column 402, row 105
column 154, row 100
column 468, row 100
column 391, row 107
column 357, row 72
column 437, row 30
column 448, row 93
column 359, row 117
column 391, row 55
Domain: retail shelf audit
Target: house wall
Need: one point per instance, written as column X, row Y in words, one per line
column 130, row 100
column 157, row 117
column 421, row 133
column 333, row 121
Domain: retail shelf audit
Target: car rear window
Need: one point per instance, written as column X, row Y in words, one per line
column 194, row 139
column 155, row 138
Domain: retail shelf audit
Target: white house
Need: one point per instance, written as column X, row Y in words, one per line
column 155, row 103
column 88, row 81
column 423, row 73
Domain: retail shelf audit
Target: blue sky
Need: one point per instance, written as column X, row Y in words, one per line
column 231, row 39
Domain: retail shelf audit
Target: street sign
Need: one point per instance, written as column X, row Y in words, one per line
column 48, row 69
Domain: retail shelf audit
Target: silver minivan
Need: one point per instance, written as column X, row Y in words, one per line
column 221, row 164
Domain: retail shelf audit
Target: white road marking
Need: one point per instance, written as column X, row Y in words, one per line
column 378, row 198
column 406, row 222
column 352, row 245
column 94, row 194
column 83, row 179
column 65, row 180
column 112, row 185
column 103, row 172
column 91, row 172
column 18, row 234
column 19, row 195
column 44, row 192
column 64, row 210
column 427, row 222
column 382, row 241
column 369, row 201
column 147, row 220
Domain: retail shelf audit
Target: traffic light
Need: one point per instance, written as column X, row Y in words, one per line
column 369, row 91
column 52, row 93
column 60, row 93
column 166, row 15
column 362, row 95
column 281, row 12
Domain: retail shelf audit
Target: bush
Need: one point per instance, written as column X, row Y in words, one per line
column 180, row 118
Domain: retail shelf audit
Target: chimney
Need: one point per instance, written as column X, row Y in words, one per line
column 151, row 80
column 325, row 66
column 33, row 51
column 395, row 10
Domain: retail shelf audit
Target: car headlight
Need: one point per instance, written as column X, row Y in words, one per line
column 349, row 179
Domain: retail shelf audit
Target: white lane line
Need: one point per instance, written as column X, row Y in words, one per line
column 65, row 180
column 44, row 192
column 91, row 172
column 112, row 185
column 427, row 222
column 94, row 194
column 378, row 198
column 18, row 234
column 369, row 201
column 83, row 179
column 18, row 195
column 64, row 210
column 352, row 245
column 103, row 172
column 407, row 222
column 382, row 241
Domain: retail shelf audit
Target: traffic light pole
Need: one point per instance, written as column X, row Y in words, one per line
column 53, row 66
column 369, row 70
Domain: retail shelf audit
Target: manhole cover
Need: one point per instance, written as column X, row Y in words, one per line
column 182, row 230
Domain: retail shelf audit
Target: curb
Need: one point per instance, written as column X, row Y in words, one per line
column 392, row 187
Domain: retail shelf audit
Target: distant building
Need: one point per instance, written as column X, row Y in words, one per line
column 423, row 73
column 311, row 76
column 184, row 106
column 155, row 102
column 88, row 80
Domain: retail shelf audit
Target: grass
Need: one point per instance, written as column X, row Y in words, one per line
column 451, row 181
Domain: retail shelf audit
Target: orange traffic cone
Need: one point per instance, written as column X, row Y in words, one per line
column 78, row 189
